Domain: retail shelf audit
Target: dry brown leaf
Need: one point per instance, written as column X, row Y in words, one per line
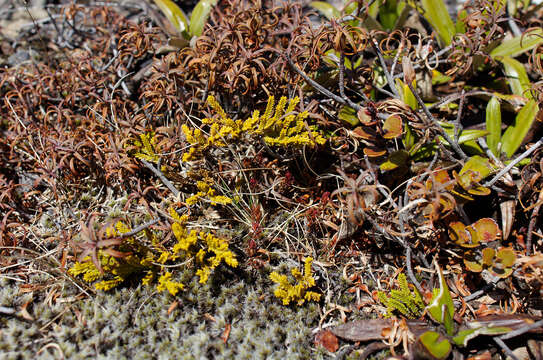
column 327, row 339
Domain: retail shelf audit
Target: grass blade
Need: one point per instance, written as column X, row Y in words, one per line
column 174, row 14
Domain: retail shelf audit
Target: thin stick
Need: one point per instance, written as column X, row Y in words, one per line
column 317, row 86
column 139, row 228
column 390, row 80
column 429, row 115
column 161, row 176
column 458, row 124
column 514, row 162
column 533, row 220
column 505, row 348
column 522, row 330
column 342, row 80
column 479, row 293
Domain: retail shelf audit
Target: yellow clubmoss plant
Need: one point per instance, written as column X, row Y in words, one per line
column 404, row 301
column 206, row 191
column 207, row 250
column 297, row 292
column 115, row 270
column 146, row 146
column 277, row 126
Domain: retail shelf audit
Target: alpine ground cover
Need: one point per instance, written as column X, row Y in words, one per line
column 369, row 171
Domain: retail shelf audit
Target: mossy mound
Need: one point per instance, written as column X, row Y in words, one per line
column 135, row 323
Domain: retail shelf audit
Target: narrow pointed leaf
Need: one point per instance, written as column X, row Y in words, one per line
column 329, row 11
column 442, row 305
column 173, row 13
column 515, row 134
column 517, row 78
column 435, row 11
column 493, row 124
column 519, row 44
column 199, row 16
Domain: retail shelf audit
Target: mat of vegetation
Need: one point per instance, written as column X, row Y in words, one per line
column 258, row 179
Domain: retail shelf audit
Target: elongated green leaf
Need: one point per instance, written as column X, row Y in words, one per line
column 406, row 95
column 438, row 349
column 465, row 135
column 435, row 11
column 516, row 76
column 441, row 309
column 329, row 11
column 493, row 124
column 373, row 10
column 463, row 336
column 515, row 134
column 199, row 16
column 173, row 13
column 519, row 44
column 409, row 138
column 387, row 14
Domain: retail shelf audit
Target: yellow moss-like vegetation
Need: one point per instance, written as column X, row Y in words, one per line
column 299, row 291
column 206, row 249
column 277, row 126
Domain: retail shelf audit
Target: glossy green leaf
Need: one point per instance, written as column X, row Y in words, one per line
column 395, row 160
column 406, row 94
column 438, row 349
column 439, row 78
column 519, row 44
column 477, row 164
column 493, row 124
column 515, row 133
column 350, row 8
column 441, row 308
column 435, row 11
column 199, row 16
column 423, row 152
column 388, row 14
column 465, row 135
column 409, row 138
column 329, row 11
column 348, row 115
column 517, row 78
column 174, row 14
column 373, row 10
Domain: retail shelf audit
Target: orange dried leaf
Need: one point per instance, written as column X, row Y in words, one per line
column 393, row 127
column 327, row 339
column 374, row 152
column 486, row 230
column 361, row 133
